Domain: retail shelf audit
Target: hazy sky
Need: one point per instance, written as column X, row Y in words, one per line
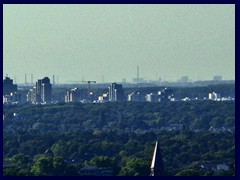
column 92, row 41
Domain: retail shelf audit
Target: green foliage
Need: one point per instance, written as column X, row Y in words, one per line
column 102, row 161
column 51, row 166
column 119, row 135
column 135, row 167
column 43, row 167
column 12, row 171
column 21, row 160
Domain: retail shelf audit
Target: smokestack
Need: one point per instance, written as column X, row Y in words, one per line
column 53, row 80
column 31, row 79
column 25, row 79
column 15, row 80
column 103, row 79
column 137, row 73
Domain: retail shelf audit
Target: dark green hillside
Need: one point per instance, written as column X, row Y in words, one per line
column 66, row 137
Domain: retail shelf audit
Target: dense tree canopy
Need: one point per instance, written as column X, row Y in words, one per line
column 61, row 139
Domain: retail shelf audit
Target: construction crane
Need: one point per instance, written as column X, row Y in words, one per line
column 89, row 84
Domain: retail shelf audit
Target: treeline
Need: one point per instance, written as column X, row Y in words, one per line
column 123, row 117
column 61, row 139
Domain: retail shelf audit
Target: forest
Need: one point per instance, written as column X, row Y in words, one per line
column 197, row 138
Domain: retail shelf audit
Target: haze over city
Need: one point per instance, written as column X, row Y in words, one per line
column 108, row 42
column 119, row 90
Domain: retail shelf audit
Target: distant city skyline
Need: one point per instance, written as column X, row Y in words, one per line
column 108, row 42
column 55, row 80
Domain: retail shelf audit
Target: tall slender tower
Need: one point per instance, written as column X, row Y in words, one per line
column 15, row 80
column 102, row 78
column 157, row 166
column 53, row 80
column 137, row 74
column 31, row 79
column 25, row 79
column 46, row 90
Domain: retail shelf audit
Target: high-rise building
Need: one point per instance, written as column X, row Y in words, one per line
column 76, row 95
column 8, row 86
column 116, row 92
column 46, row 90
column 38, row 90
column 136, row 97
column 73, row 95
column 31, row 95
column 13, row 98
column 42, row 92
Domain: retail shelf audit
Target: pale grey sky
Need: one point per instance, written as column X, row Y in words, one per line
column 92, row 41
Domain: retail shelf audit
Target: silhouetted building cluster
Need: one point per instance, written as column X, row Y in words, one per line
column 8, row 86
column 103, row 98
column 163, row 95
column 136, row 97
column 76, row 95
column 41, row 93
column 116, row 92
column 10, row 93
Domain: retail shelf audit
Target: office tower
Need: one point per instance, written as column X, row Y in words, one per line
column 31, row 95
column 8, row 86
column 43, row 91
column 116, row 92
column 73, row 95
column 38, row 91
column 46, row 90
